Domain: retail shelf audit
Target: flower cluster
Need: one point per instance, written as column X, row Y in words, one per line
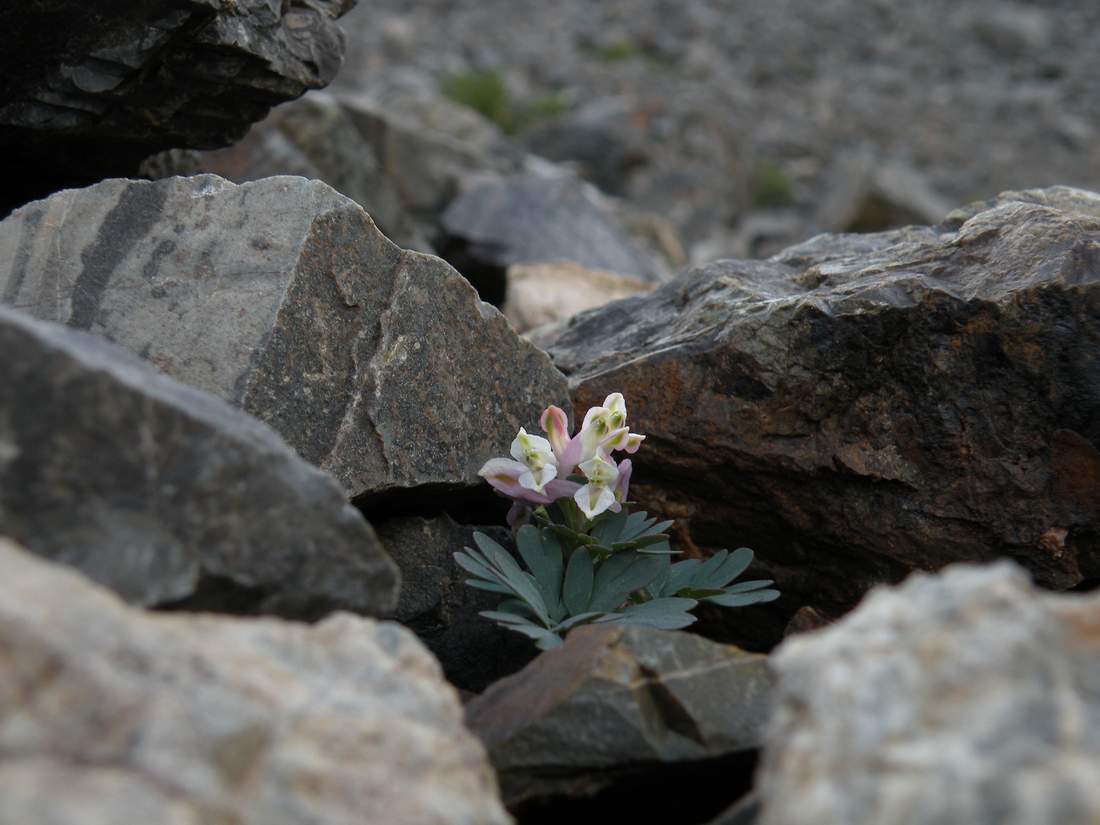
column 544, row 470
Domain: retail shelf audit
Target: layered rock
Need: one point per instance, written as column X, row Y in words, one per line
column 964, row 697
column 442, row 610
column 166, row 494
column 282, row 297
column 112, row 715
column 91, row 89
column 615, row 701
column 860, row 406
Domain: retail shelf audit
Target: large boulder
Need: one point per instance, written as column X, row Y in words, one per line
column 613, row 702
column 109, row 715
column 861, row 406
column 165, row 494
column 964, row 697
column 281, row 296
column 90, row 89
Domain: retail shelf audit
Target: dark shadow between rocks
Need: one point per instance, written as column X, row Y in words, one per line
column 466, row 505
column 684, row 793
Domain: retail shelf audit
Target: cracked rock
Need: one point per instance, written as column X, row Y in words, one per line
column 280, row 296
column 615, row 701
column 165, row 494
column 109, row 714
column 860, row 406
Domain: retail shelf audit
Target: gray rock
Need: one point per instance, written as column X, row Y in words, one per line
column 92, row 88
column 281, row 297
column 113, row 715
column 613, row 700
column 529, row 219
column 314, row 138
column 165, row 494
column 438, row 606
column 865, row 193
column 964, row 697
column 861, row 406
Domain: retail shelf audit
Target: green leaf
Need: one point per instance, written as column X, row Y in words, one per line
column 545, row 639
column 745, row 587
column 578, row 582
column 620, row 576
column 666, row 614
column 579, row 619
column 472, row 564
column 657, row 528
column 682, row 575
column 635, row 525
column 541, row 551
column 517, row 607
column 492, row 587
column 704, row 577
column 641, row 541
column 733, row 567
column 663, row 548
column 743, row 599
column 513, row 576
column 610, row 526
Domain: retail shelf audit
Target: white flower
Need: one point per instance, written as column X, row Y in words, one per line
column 597, row 495
column 535, row 453
column 605, row 428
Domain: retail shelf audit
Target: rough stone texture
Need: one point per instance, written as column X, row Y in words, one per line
column 438, row 606
column 963, row 697
column 682, row 108
column 613, row 700
column 89, row 89
column 315, row 138
column 168, row 495
column 528, row 219
column 539, row 294
column 860, row 406
column 111, row 715
column 281, row 297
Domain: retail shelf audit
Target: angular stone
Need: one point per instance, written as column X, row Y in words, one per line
column 317, row 138
column 861, row 406
column 539, row 294
column 617, row 700
column 964, row 697
column 165, row 494
column 92, row 88
column 530, row 219
column 438, row 606
column 110, row 715
column 281, row 297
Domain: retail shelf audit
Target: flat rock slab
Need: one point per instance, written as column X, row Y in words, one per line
column 111, row 715
column 281, row 296
column 970, row 696
column 166, row 494
column 860, row 406
column 91, row 88
column 615, row 700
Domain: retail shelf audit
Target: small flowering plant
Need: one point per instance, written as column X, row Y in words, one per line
column 588, row 559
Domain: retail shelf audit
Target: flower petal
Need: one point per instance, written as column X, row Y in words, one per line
column 633, row 442
column 503, row 475
column 555, row 424
column 622, row 484
column 593, row 499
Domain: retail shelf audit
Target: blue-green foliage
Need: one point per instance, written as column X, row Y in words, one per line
column 617, row 570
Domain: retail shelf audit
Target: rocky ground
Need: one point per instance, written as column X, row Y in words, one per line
column 250, row 379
